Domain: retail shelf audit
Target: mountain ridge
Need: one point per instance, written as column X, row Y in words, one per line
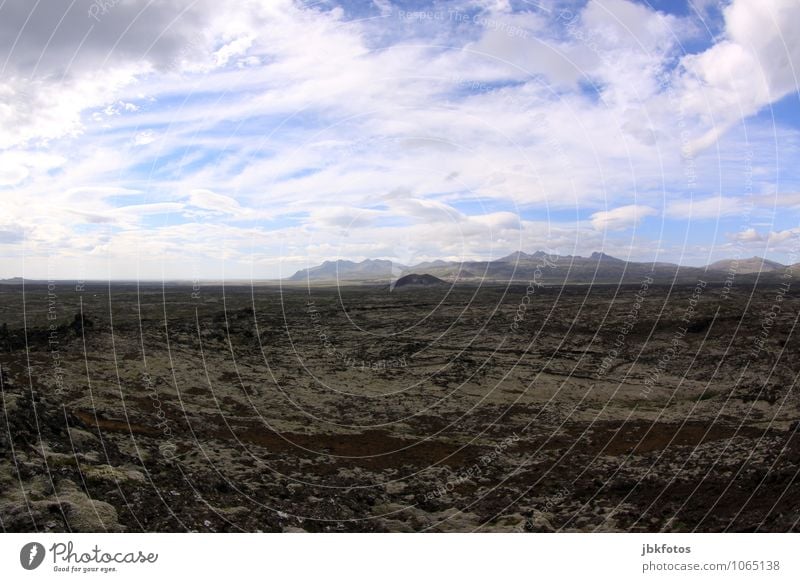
column 519, row 266
column 747, row 266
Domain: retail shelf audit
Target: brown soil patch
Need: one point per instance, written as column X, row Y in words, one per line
column 114, row 425
column 372, row 448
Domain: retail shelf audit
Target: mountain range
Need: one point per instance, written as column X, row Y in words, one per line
column 524, row 267
column 521, row 267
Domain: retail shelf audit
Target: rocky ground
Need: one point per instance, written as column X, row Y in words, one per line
column 582, row 408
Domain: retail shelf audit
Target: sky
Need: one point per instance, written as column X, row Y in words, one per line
column 247, row 139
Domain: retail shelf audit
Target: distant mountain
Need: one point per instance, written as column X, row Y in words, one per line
column 521, row 267
column 524, row 267
column 368, row 270
column 604, row 257
column 745, row 266
column 521, row 257
column 415, row 280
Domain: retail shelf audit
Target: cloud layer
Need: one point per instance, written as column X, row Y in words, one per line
column 252, row 138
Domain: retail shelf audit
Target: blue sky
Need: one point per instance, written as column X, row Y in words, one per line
column 201, row 139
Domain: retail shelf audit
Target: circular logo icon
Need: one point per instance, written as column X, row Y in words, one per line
column 31, row 555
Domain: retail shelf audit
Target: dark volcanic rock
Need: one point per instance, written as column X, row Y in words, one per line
column 417, row 410
column 415, row 280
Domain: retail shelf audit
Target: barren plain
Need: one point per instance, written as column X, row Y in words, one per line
column 641, row 407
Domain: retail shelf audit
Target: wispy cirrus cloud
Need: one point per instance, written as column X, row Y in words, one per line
column 622, row 217
column 297, row 132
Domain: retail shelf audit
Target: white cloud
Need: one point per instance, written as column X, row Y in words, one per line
column 714, row 207
column 208, row 200
column 785, row 241
column 622, row 217
column 11, row 174
column 779, row 199
column 294, row 118
column 783, row 236
column 345, row 217
column 747, row 235
column 755, row 64
column 144, row 138
column 203, row 201
column 17, row 165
